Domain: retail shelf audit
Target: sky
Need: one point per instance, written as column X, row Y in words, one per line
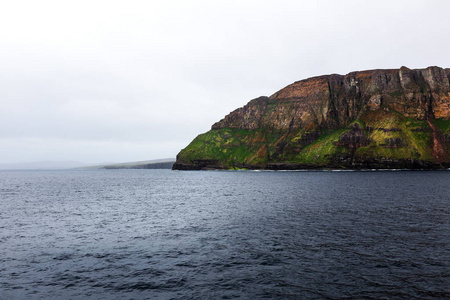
column 119, row 81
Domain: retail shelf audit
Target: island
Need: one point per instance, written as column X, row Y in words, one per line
column 376, row 119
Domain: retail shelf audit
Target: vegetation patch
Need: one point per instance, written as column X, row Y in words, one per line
column 443, row 125
column 389, row 135
column 321, row 150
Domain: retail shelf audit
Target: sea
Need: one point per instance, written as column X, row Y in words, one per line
column 162, row 234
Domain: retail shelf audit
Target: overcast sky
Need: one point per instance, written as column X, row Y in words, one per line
column 117, row 81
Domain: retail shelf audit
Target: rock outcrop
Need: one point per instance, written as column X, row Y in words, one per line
column 397, row 118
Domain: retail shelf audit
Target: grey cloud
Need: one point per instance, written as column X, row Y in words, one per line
column 110, row 81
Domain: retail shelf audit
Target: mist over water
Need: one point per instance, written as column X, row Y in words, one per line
column 161, row 234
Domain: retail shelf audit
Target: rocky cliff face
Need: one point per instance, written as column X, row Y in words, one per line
column 372, row 119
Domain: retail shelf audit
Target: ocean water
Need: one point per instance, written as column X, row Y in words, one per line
column 161, row 234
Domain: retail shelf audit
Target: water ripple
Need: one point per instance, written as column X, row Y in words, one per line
column 141, row 234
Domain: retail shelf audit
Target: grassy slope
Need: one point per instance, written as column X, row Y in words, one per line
column 236, row 148
column 415, row 139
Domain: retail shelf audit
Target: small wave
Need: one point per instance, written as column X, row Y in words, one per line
column 63, row 256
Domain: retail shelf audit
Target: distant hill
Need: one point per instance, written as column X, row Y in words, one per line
column 165, row 163
column 376, row 119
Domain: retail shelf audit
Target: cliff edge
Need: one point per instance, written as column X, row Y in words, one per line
column 377, row 119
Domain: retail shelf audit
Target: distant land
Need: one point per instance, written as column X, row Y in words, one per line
column 376, row 119
column 165, row 163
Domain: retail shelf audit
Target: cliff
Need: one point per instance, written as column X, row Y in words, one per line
column 377, row 119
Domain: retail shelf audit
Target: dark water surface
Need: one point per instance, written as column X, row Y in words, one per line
column 160, row 234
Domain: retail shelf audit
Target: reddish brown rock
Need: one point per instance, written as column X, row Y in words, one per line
column 334, row 101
